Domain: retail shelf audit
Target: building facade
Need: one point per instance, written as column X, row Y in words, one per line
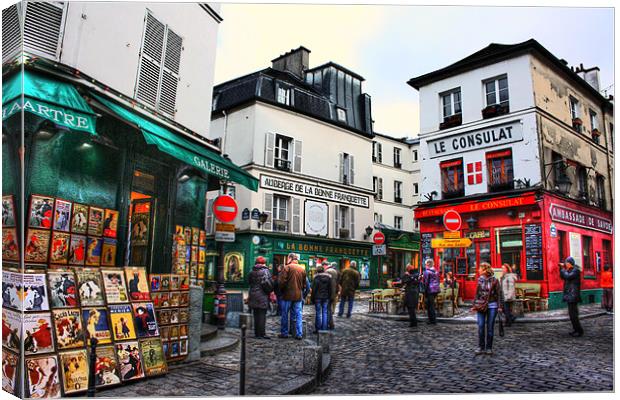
column 521, row 146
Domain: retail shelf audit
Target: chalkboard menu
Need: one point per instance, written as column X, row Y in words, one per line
column 533, row 252
column 461, row 265
column 425, row 242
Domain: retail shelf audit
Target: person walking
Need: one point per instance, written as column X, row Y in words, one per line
column 486, row 305
column 410, row 281
column 321, row 294
column 292, row 281
column 261, row 286
column 607, row 284
column 333, row 273
column 508, row 280
column 571, row 275
column 349, row 282
column 276, row 288
column 430, row 279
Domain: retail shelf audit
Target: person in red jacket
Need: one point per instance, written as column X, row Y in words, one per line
column 607, row 284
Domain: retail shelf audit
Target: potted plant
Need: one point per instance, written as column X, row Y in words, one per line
column 577, row 123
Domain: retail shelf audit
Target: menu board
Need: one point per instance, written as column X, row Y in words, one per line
column 461, row 265
column 425, row 243
column 533, row 252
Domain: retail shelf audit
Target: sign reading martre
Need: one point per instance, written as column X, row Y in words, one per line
column 474, row 140
column 308, row 190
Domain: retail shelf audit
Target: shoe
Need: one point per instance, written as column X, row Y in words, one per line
column 479, row 352
column 349, row 316
column 413, row 325
column 489, row 352
column 579, row 334
column 315, row 332
column 298, row 337
column 573, row 334
column 339, row 315
column 281, row 336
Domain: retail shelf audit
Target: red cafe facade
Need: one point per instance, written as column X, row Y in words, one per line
column 530, row 229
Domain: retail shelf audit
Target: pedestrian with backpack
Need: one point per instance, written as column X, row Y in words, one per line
column 430, row 280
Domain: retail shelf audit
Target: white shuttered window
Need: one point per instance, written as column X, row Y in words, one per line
column 11, row 32
column 42, row 30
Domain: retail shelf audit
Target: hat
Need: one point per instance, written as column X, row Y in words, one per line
column 570, row 260
column 260, row 260
column 325, row 262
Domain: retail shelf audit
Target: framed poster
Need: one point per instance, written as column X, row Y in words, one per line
column 175, row 350
column 10, row 364
column 164, row 299
column 165, row 348
column 140, row 223
column 43, row 377
column 68, row 328
column 40, row 212
column 8, row 211
column 59, row 252
column 12, row 290
column 129, row 360
column 183, row 315
column 202, row 240
column 106, row 367
column 37, row 245
column 163, row 316
column 11, row 329
column 574, row 240
column 184, row 282
column 114, row 284
column 138, row 283
column 153, row 357
column 183, row 329
column 175, row 299
column 77, row 250
column 174, row 315
column 38, row 334
column 96, row 325
column 90, row 286
column 74, row 368
column 164, row 332
column 175, row 282
column 316, row 218
column 155, row 282
column 121, row 319
column 10, row 249
column 79, row 219
column 62, row 215
column 63, row 288
column 144, row 320
column 35, row 293
column 195, row 236
column 187, row 235
column 108, row 252
column 173, row 332
column 165, row 282
column 95, row 221
column 183, row 351
column 194, row 254
column 184, row 301
column 93, row 251
column 233, row 267
column 110, row 223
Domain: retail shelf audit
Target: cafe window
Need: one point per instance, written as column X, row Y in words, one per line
column 586, row 247
column 606, row 254
column 451, row 103
column 496, row 91
column 511, row 247
column 562, row 245
column 500, row 170
column 452, row 180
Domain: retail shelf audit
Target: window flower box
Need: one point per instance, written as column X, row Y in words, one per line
column 577, row 124
column 495, row 110
column 451, row 121
column 596, row 132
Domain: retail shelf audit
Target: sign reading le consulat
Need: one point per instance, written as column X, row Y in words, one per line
column 318, row 192
column 477, row 139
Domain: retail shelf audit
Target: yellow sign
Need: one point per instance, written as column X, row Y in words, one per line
column 224, row 227
column 452, row 235
column 450, row 243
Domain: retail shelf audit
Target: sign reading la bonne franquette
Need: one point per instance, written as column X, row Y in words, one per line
column 318, row 192
column 477, row 139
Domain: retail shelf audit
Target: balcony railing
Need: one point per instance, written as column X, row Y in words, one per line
column 280, row 225
column 397, row 165
column 343, row 233
column 398, row 199
column 282, row 165
column 495, row 110
column 451, row 121
column 453, row 193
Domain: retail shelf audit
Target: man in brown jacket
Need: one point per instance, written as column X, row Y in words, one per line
column 349, row 282
column 292, row 282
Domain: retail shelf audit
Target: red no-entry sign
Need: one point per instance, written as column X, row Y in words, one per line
column 225, row 208
column 378, row 238
column 452, row 220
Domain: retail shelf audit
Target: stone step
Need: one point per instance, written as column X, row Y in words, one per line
column 208, row 332
column 223, row 342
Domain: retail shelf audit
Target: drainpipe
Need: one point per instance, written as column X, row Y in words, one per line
column 607, row 144
column 225, row 132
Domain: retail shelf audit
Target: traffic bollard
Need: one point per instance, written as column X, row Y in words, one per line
column 92, row 368
column 244, row 322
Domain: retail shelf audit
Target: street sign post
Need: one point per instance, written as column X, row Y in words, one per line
column 450, row 243
column 452, row 220
column 379, row 250
column 224, row 232
column 225, row 208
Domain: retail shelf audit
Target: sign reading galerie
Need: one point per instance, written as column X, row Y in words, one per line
column 316, row 218
column 318, row 192
column 477, row 139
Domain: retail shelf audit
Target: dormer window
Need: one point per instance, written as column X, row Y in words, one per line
column 284, row 96
column 342, row 114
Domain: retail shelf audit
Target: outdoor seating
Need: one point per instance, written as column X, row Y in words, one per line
column 372, row 302
column 529, row 295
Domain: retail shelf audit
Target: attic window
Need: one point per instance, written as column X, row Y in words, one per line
column 342, row 114
column 284, row 96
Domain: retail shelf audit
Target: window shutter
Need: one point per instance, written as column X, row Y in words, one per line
column 336, row 221
column 11, row 32
column 341, row 158
column 170, row 73
column 270, row 142
column 267, row 209
column 296, row 222
column 43, row 28
column 380, row 191
column 209, row 216
column 379, row 152
column 351, row 171
column 297, row 158
column 352, row 220
column 150, row 60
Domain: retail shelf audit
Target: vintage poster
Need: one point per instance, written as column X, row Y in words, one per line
column 108, row 252
column 184, row 347
column 202, row 255
column 137, row 283
column 35, row 293
column 110, row 223
column 96, row 325
column 164, row 299
column 59, row 252
column 74, row 367
column 165, row 282
column 194, row 254
column 201, row 272
column 195, row 236
column 79, row 220
column 187, row 235
column 165, row 347
column 93, row 251
column 153, row 357
column 173, row 332
column 121, row 319
column 106, row 367
column 139, row 228
column 40, row 214
column 129, row 360
column 233, row 267
column 174, row 349
column 184, row 302
column 95, row 221
column 114, row 284
column 175, row 299
column 163, row 316
column 174, row 282
column 11, row 329
column 38, row 333
column 63, row 288
column 43, row 377
column 183, row 331
column 184, row 282
column 202, row 241
column 155, row 299
column 90, row 287
column 10, row 363
column 12, row 289
column 144, row 319
column 155, row 282
column 8, row 211
column 37, row 245
column 164, row 332
column 77, row 250
column 68, row 328
column 174, row 315
column 10, row 249
column 62, row 215
column 183, row 315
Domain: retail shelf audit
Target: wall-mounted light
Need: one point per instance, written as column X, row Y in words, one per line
column 563, row 184
column 183, row 178
column 511, row 213
column 472, row 222
column 262, row 218
column 46, row 130
column 368, row 232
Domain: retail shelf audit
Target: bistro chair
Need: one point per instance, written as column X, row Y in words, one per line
column 374, row 296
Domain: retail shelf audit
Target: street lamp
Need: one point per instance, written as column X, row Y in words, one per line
column 471, row 222
column 262, row 218
column 368, row 232
column 563, row 184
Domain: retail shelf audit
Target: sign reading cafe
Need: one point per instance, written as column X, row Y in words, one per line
column 477, row 139
column 318, row 192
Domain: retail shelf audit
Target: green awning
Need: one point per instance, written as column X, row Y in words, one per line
column 54, row 100
column 183, row 149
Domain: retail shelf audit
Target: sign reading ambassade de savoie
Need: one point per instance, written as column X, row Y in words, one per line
column 477, row 139
column 317, row 192
column 569, row 216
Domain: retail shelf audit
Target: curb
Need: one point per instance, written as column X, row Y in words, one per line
column 305, row 384
column 229, row 345
column 473, row 321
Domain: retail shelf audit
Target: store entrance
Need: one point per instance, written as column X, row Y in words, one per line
column 141, row 221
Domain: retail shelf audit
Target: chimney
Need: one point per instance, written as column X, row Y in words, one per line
column 590, row 75
column 295, row 61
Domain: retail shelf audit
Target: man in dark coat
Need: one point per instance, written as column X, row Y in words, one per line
column 321, row 294
column 333, row 272
column 258, row 300
column 411, row 284
column 571, row 275
column 349, row 282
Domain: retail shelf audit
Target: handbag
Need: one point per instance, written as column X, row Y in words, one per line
column 481, row 304
column 501, row 317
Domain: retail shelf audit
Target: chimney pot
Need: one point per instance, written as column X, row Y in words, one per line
column 295, row 61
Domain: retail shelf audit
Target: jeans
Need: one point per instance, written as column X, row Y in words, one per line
column 486, row 320
column 413, row 320
column 573, row 313
column 294, row 307
column 430, row 306
column 260, row 315
column 330, row 311
column 341, row 307
column 321, row 320
column 508, row 312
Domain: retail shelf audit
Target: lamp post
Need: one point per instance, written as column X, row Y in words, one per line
column 262, row 218
column 368, row 230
